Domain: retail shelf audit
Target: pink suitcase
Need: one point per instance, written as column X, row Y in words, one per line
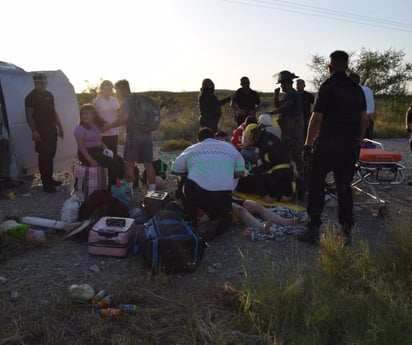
column 112, row 236
column 88, row 179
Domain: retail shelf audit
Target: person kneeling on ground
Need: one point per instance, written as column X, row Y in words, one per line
column 91, row 149
column 210, row 166
column 273, row 175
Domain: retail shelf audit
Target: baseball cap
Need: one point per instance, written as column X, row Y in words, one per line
column 265, row 120
column 39, row 77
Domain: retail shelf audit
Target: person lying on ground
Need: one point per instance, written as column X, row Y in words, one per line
column 246, row 209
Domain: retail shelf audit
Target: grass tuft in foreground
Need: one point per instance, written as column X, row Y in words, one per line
column 347, row 297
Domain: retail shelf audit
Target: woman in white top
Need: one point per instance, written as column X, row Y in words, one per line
column 107, row 106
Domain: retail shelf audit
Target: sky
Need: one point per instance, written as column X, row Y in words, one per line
column 172, row 45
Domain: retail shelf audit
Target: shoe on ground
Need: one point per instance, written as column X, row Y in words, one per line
column 56, row 183
column 49, row 189
column 309, row 235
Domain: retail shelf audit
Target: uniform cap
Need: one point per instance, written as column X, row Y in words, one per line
column 39, row 77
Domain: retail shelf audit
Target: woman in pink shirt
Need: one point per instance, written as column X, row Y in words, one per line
column 107, row 106
column 90, row 148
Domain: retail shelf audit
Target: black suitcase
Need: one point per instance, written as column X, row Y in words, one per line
column 168, row 243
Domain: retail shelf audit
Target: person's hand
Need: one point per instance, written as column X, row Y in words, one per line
column 60, row 132
column 105, row 128
column 93, row 163
column 35, row 136
column 277, row 91
column 307, row 154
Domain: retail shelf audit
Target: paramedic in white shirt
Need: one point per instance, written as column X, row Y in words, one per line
column 210, row 166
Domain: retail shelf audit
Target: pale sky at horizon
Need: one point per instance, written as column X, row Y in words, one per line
column 173, row 45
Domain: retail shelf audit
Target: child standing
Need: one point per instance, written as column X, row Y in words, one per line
column 106, row 106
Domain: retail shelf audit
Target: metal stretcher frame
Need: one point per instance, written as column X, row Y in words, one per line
column 371, row 174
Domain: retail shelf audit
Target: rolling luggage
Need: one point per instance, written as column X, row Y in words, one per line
column 112, row 236
column 89, row 179
column 167, row 242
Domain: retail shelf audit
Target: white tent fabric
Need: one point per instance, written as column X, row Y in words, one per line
column 15, row 84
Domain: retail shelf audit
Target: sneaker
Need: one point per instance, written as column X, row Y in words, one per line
column 56, row 183
column 309, row 235
column 49, row 189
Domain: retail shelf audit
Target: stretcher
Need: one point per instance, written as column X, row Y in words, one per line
column 376, row 167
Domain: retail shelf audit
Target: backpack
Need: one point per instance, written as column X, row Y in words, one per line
column 146, row 113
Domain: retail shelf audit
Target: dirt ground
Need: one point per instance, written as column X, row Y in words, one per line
column 35, row 273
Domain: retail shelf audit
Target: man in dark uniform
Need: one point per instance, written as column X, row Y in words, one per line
column 307, row 100
column 45, row 125
column 245, row 101
column 336, row 130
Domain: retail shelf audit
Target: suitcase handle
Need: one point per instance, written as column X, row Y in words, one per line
column 107, row 233
column 116, row 222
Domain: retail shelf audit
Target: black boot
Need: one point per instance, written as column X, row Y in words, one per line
column 310, row 235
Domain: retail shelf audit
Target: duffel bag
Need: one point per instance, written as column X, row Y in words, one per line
column 168, row 243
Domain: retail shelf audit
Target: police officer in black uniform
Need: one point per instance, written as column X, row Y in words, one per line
column 336, row 130
column 45, row 125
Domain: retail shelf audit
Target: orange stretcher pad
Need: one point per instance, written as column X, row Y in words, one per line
column 379, row 156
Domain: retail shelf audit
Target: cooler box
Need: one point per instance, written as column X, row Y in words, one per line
column 88, row 179
column 155, row 201
column 112, row 236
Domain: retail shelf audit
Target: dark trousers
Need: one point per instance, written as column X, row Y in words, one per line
column 340, row 158
column 111, row 141
column 115, row 166
column 209, row 122
column 218, row 204
column 46, row 149
column 369, row 130
column 276, row 184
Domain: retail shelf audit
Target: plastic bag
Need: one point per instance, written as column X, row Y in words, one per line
column 70, row 209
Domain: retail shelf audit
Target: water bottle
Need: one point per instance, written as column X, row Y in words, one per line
column 110, row 312
column 105, row 302
column 128, row 308
column 99, row 296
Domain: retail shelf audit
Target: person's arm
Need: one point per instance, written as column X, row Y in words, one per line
column 225, row 100
column 276, row 99
column 239, row 170
column 364, row 126
column 60, row 130
column 30, row 120
column 408, row 119
column 123, row 115
column 313, row 128
column 235, row 106
column 179, row 166
column 83, row 150
column 282, row 108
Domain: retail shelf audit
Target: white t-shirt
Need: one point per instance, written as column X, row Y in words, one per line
column 107, row 110
column 370, row 101
column 211, row 164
